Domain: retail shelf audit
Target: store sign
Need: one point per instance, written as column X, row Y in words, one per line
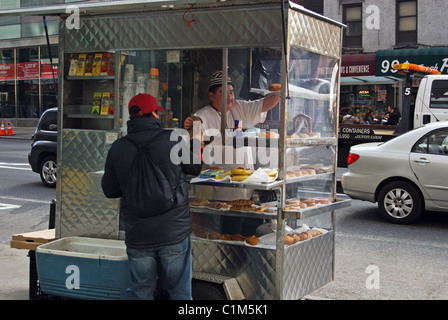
column 7, row 71
column 358, row 65
column 28, row 70
column 46, row 71
column 436, row 58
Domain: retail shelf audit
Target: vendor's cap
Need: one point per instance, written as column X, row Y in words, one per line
column 146, row 102
column 216, row 79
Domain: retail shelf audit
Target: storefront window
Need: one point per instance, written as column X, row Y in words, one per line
column 358, row 99
column 27, row 69
column 49, row 77
column 7, row 91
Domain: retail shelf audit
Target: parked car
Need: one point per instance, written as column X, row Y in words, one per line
column 406, row 175
column 43, row 155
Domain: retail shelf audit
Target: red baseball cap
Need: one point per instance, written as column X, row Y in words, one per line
column 146, row 102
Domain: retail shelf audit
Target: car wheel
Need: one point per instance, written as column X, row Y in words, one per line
column 48, row 171
column 400, row 202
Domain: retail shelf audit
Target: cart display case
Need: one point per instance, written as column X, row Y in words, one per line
column 151, row 47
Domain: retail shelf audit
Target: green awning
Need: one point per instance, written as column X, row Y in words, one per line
column 436, row 58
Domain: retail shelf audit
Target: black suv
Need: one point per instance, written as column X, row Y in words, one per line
column 42, row 157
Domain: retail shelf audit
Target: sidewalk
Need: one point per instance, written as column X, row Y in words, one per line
column 14, row 273
column 23, row 133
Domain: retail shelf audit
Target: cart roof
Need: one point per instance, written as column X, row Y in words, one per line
column 122, row 6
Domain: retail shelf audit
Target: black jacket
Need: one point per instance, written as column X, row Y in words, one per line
column 171, row 226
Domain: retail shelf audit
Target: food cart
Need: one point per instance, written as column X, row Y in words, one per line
column 169, row 49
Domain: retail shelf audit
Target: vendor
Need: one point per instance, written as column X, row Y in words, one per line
column 251, row 113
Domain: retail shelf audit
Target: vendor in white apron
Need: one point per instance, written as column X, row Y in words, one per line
column 224, row 155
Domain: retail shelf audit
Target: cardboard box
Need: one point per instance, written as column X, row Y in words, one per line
column 89, row 64
column 73, row 66
column 105, row 64
column 96, row 103
column 96, row 69
column 105, row 103
column 80, row 69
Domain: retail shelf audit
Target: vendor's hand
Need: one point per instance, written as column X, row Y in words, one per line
column 188, row 123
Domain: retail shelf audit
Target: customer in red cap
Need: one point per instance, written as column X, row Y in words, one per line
column 161, row 240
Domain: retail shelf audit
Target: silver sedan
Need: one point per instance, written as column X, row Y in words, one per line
column 406, row 175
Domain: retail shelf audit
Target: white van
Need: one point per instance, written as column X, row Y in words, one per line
column 431, row 104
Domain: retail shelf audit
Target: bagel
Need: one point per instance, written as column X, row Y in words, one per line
column 275, row 87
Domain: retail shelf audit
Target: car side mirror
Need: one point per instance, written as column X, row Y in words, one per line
column 53, row 127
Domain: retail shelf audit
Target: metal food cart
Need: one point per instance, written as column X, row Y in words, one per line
column 185, row 42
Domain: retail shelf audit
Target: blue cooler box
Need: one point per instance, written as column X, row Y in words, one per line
column 84, row 268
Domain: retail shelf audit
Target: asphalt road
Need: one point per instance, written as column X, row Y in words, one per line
column 375, row 260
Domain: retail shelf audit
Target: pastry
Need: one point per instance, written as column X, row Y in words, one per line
column 240, row 202
column 226, row 237
column 262, row 209
column 252, row 240
column 199, row 202
column 243, row 208
column 323, row 201
column 292, row 203
column 314, row 232
column 240, row 171
column 201, row 234
column 214, row 235
column 239, row 177
column 218, row 205
column 275, row 87
column 237, row 237
column 289, row 239
column 304, row 236
column 308, row 200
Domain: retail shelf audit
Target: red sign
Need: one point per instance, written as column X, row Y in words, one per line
column 358, row 65
column 28, row 70
column 7, row 71
column 46, row 71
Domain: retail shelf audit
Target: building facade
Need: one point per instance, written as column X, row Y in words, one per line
column 379, row 34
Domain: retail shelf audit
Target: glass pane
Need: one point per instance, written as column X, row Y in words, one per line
column 313, row 90
column 48, row 70
column 407, row 24
column 439, row 94
column 354, row 29
column 28, row 82
column 159, row 73
column 408, row 8
column 353, row 14
column 7, row 90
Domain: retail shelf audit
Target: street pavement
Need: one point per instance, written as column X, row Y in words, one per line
column 14, row 263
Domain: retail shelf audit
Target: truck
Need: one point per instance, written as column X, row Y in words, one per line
column 430, row 105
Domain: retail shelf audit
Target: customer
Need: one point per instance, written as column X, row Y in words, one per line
column 368, row 118
column 349, row 118
column 392, row 116
column 159, row 240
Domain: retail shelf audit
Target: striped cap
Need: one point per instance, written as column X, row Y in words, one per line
column 216, row 79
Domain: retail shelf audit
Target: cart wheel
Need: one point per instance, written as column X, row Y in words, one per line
column 207, row 291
